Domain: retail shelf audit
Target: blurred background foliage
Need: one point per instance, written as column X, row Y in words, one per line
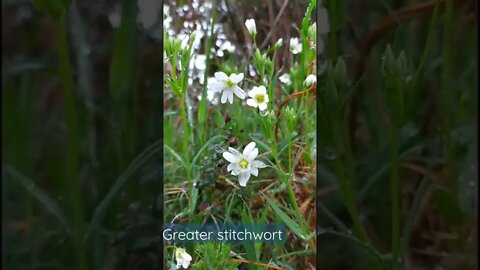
column 412, row 122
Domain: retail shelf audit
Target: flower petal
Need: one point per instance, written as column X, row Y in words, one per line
column 249, row 148
column 258, row 164
column 235, row 152
column 262, row 89
column 254, row 171
column 243, row 178
column 252, row 154
column 214, row 85
column 221, row 76
column 230, row 157
column 230, row 96
column 253, row 92
column 262, row 106
column 224, row 97
column 239, row 92
column 266, row 98
column 236, row 78
column 232, row 166
column 251, row 102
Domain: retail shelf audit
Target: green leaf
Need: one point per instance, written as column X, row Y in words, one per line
column 291, row 224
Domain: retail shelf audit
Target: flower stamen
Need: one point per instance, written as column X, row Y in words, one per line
column 243, row 163
column 260, row 98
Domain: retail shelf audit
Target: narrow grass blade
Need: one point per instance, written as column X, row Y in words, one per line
column 204, row 147
column 285, row 218
column 122, row 80
column 176, row 155
column 48, row 203
column 139, row 161
column 407, row 232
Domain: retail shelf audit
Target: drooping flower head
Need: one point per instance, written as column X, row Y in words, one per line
column 183, row 258
column 251, row 26
column 311, row 79
column 243, row 164
column 226, row 85
column 295, row 46
column 258, row 97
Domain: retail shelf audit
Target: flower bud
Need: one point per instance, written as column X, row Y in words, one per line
column 310, row 80
column 278, row 44
column 251, row 27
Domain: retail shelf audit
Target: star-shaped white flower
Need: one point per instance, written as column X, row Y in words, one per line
column 227, row 85
column 183, row 258
column 259, row 97
column 251, row 26
column 295, row 46
column 243, row 164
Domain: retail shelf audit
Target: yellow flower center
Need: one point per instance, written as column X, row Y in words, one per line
column 179, row 254
column 260, row 98
column 243, row 163
column 229, row 83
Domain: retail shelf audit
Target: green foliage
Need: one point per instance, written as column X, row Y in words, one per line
column 214, row 256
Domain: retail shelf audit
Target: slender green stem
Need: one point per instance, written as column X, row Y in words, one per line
column 287, row 179
column 203, row 103
column 348, row 194
column 186, row 137
column 72, row 181
column 347, row 180
column 290, row 165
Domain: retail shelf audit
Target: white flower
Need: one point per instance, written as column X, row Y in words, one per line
column 259, row 97
column 227, row 85
column 285, row 78
column 243, row 164
column 183, row 258
column 311, row 79
column 295, row 46
column 251, row 27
